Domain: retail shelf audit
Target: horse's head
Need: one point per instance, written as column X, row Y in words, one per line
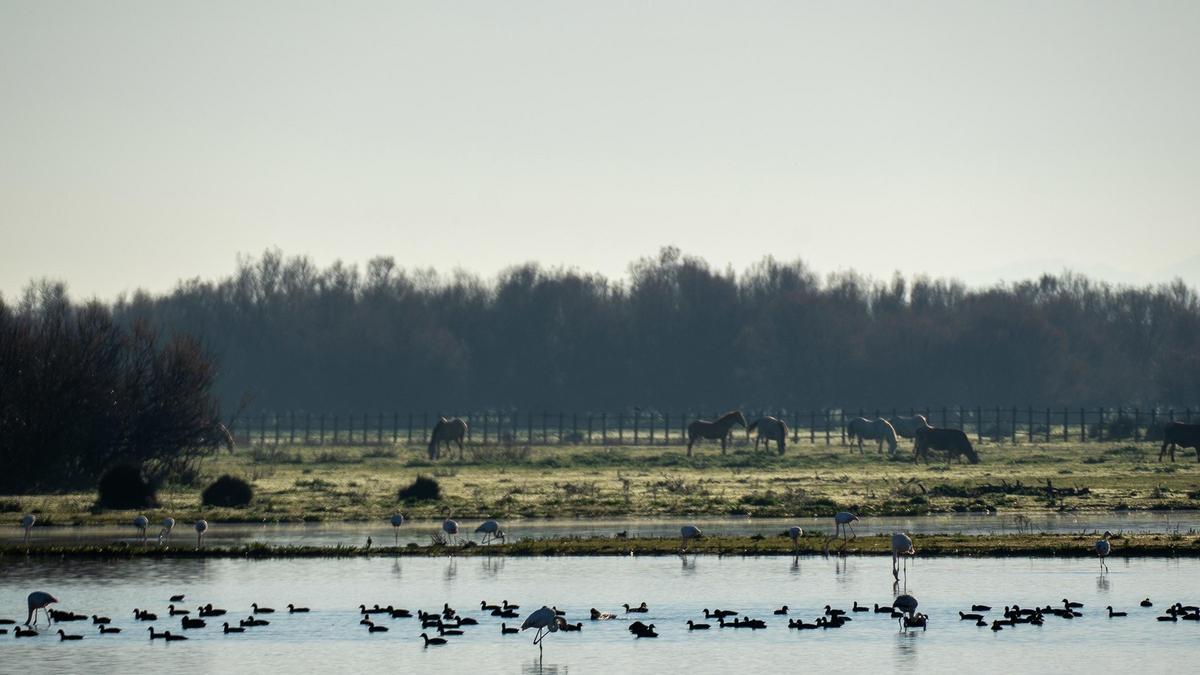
column 739, row 417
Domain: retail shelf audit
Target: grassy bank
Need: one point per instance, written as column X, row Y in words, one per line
column 297, row 484
column 931, row 545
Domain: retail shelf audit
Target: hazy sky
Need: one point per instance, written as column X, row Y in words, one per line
column 142, row 142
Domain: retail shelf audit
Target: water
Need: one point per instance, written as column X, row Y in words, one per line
column 355, row 534
column 676, row 589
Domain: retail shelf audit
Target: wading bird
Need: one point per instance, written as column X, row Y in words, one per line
column 140, row 523
column 686, row 534
column 164, row 534
column 906, row 606
column 490, row 530
column 1103, row 548
column 795, row 532
column 841, row 525
column 902, row 545
column 27, row 524
column 449, row 529
column 397, row 521
column 39, row 600
column 545, row 621
column 201, row 527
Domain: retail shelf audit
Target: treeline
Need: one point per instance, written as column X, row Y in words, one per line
column 82, row 393
column 675, row 334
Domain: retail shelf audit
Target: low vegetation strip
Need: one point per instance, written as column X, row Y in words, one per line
column 1058, row 545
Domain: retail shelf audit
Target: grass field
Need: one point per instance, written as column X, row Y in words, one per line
column 294, row 484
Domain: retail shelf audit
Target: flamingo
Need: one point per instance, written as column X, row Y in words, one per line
column 27, row 524
column 168, row 524
column 397, row 521
column 1103, row 548
column 902, row 544
column 842, row 523
column 490, row 530
column 201, row 527
column 39, row 600
column 687, row 533
column 905, row 605
column 545, row 621
column 795, row 532
column 450, row 528
column 141, row 523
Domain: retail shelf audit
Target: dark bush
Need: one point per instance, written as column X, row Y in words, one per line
column 227, row 491
column 424, row 488
column 123, row 487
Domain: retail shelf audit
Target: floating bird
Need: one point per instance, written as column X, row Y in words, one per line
column 164, row 534
column 39, row 600
column 902, row 545
column 697, row 626
column 1147, row 603
column 376, row 629
column 231, row 629
column 882, row 610
column 397, row 521
column 545, row 621
column 140, row 523
column 177, row 598
column 142, row 615
column 22, row 632
column 980, row 608
column 107, row 629
column 860, row 608
column 98, row 620
column 27, row 524
column 970, row 617
column 292, row 609
column 63, row 636
column 261, row 610
column 505, row 605
column 646, row 632
column 505, row 630
column 597, row 615
column 1103, row 548
column 201, row 527
column 153, row 635
column 432, row 641
column 490, row 530
column 442, row 630
column 686, row 534
column 781, row 611
column 1112, row 614
column 209, row 610
column 172, row 638
column 192, row 623
column 176, row 612
column 642, row 608
column 486, row 607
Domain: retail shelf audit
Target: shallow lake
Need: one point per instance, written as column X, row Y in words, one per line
column 355, row 534
column 676, row 589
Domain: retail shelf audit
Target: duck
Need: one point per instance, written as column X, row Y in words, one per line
column 366, row 622
column 483, row 605
column 192, row 623
column 377, row 629
column 829, row 611
column 264, row 610
column 558, row 612
column 597, row 615
column 981, row 623
column 860, row 608
column 781, row 611
column 962, row 616
column 98, row 620
column 172, row 638
column 376, row 610
column 917, row 621
column 144, row 616
column 467, row 621
column 1072, row 605
column 717, row 614
column 232, row 629
column 882, row 610
column 800, row 625
column 996, row 625
column 642, row 608
column 505, row 630
column 1146, row 603
column 505, row 613
column 571, row 627
column 153, row 635
column 292, row 609
column 636, row 626
column 981, row 608
column 107, row 629
column 1112, row 614
column 504, row 605
column 433, row 641
column 1169, row 617
column 400, row 613
column 647, row 632
column 251, row 621
column 62, row 635
column 177, row 598
column 442, row 630
column 177, row 612
column 25, row 632
column 692, row 625
column 209, row 610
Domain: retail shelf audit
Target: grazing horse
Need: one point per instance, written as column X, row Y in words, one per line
column 712, row 430
column 907, row 426
column 872, row 430
column 1183, row 435
column 446, row 431
column 769, row 429
column 951, row 441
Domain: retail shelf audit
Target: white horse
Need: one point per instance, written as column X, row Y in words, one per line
column 872, row 430
column 907, row 426
column 769, row 429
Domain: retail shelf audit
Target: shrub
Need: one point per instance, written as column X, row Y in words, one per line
column 424, row 488
column 227, row 491
column 123, row 487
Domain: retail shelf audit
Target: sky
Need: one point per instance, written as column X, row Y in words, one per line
column 146, row 142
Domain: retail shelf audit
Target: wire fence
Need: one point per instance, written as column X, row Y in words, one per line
column 1011, row 424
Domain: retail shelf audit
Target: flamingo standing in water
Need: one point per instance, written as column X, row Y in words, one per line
column 688, row 533
column 1103, row 548
column 39, row 600
column 546, row 621
column 27, row 525
column 902, row 544
column 449, row 528
column 795, row 532
column 168, row 524
column 906, row 605
column 397, row 521
column 141, row 523
column 841, row 525
column 201, row 527
column 490, row 530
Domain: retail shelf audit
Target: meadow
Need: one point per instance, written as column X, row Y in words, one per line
column 323, row 483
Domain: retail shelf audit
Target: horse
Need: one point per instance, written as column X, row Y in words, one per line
column 769, row 429
column 951, row 441
column 711, row 430
column 1183, row 435
column 907, row 426
column 445, row 431
column 872, row 430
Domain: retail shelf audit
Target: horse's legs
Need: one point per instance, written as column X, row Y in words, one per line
column 690, row 441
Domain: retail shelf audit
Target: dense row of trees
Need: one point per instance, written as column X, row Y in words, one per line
column 81, row 393
column 675, row 334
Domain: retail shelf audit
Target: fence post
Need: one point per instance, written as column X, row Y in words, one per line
column 262, row 432
column 1170, row 415
column 291, row 427
column 842, row 426
column 589, row 427
column 621, row 428
column 666, row 428
column 424, row 426
column 812, row 427
column 1100, row 423
column 650, row 428
column 529, row 426
column 307, row 425
column 486, row 416
column 979, row 423
column 350, row 429
column 410, row 425
column 335, row 429
column 1066, row 425
column 379, row 430
column 560, row 427
column 322, row 439
column 395, row 427
column 1047, row 424
column 637, row 418
column 1082, row 426
column 604, row 428
column 574, row 427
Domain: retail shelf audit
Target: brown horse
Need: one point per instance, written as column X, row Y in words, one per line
column 713, row 430
column 951, row 441
column 446, row 431
column 769, row 429
column 1183, row 435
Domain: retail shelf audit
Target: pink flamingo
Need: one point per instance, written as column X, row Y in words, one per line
column 39, row 600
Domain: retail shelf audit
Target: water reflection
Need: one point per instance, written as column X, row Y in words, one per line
column 1103, row 585
column 540, row 668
